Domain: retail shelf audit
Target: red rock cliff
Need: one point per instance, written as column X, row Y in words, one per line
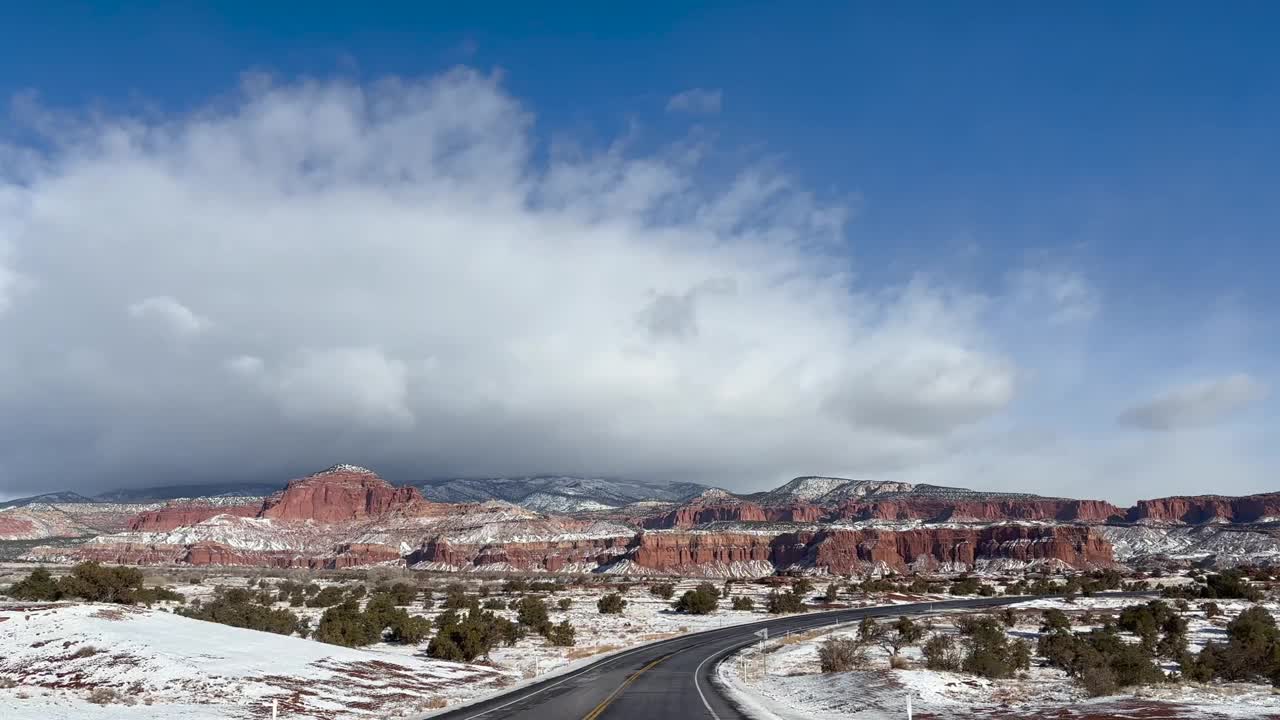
column 177, row 515
column 341, row 493
column 848, row 551
column 942, row 509
column 1206, row 508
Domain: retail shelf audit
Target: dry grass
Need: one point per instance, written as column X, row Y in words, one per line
column 898, row 662
column 104, row 696
column 110, row 614
column 777, row 643
column 86, row 651
column 578, row 653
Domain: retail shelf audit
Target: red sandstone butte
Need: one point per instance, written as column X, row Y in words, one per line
column 339, row 494
column 1206, row 508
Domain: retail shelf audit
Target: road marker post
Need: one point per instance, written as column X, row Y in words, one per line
column 763, row 634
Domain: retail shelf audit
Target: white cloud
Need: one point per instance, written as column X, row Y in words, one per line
column 357, row 385
column 396, row 273
column 173, row 315
column 1065, row 295
column 698, row 101
column 1196, row 404
column 245, row 365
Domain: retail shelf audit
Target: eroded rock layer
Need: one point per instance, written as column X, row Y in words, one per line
column 348, row 516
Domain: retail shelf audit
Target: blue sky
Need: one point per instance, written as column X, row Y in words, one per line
column 1115, row 157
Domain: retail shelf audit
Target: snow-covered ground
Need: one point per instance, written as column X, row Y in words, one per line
column 83, row 661
column 173, row 667
column 781, row 680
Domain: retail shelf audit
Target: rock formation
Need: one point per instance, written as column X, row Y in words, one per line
column 348, row 516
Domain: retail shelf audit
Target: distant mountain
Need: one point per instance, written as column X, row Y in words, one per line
column 173, row 492
column 829, row 490
column 66, row 497
column 558, row 493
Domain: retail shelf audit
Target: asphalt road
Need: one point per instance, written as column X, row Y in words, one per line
column 671, row 680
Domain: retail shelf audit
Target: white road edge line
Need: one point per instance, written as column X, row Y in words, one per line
column 696, row 684
column 698, row 671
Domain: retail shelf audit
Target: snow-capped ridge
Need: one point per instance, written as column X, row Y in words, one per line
column 345, row 468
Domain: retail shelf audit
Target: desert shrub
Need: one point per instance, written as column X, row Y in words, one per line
column 1252, row 650
column 990, row 654
column 1100, row 660
column 561, row 634
column 702, row 600
column 96, row 583
column 1227, row 584
column 547, row 586
column 147, row 596
column 408, row 629
column 869, row 631
column 839, row 654
column 964, row 586
column 1230, row 584
column 611, row 604
column 1098, row 681
column 1210, row 609
column 1173, row 638
column 1008, row 617
column 39, row 585
column 1054, row 620
column 104, row 696
column 784, row 602
column 919, row 586
column 531, row 612
column 908, row 630
column 238, row 607
column 564, row 603
column 833, row 592
column 455, row 597
column 742, row 602
column 942, row 653
column 663, row 590
column 464, row 638
column 515, row 585
column 346, row 625
column 802, row 586
column 328, row 597
column 402, row 592
column 85, row 651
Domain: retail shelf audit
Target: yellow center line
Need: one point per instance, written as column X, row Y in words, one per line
column 595, row 712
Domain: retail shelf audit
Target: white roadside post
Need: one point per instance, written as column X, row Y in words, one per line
column 274, row 708
column 908, row 705
column 763, row 634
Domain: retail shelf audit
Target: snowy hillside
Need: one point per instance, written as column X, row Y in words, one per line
column 66, row 496
column 151, row 664
column 829, row 490
column 557, row 493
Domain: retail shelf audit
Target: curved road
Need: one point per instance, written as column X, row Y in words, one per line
column 671, row 679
